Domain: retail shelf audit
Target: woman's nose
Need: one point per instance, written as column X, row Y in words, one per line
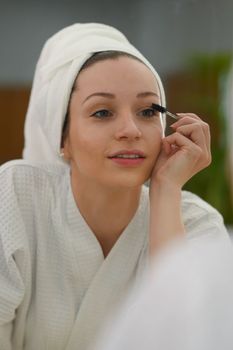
column 128, row 129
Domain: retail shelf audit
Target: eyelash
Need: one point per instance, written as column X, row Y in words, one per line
column 100, row 111
column 153, row 113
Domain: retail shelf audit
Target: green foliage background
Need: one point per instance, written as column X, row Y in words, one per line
column 212, row 184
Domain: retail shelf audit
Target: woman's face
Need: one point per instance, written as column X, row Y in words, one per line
column 114, row 136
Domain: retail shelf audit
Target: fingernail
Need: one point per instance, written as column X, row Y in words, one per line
column 173, row 125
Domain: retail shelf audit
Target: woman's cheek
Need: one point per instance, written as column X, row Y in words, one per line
column 156, row 138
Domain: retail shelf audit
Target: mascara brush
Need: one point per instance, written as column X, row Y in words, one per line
column 161, row 109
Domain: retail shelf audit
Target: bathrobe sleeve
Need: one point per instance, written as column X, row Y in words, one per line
column 12, row 257
column 201, row 220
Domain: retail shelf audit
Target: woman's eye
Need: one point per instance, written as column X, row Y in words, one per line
column 149, row 113
column 101, row 114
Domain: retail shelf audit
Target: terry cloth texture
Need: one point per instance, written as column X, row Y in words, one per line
column 56, row 288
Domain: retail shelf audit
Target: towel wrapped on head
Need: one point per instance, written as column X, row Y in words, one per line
column 60, row 61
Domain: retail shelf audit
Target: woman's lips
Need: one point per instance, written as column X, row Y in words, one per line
column 128, row 158
column 128, row 161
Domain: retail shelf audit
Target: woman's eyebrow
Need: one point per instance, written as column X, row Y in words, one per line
column 109, row 95
column 102, row 94
column 147, row 93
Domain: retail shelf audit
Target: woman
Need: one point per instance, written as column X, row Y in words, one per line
column 75, row 223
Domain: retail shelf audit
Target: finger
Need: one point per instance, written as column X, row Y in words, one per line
column 186, row 119
column 191, row 115
column 177, row 140
column 196, row 134
column 166, row 147
column 190, row 120
column 194, row 151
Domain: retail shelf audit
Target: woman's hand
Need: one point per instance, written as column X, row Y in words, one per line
column 184, row 153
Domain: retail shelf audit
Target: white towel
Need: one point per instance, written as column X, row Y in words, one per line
column 60, row 61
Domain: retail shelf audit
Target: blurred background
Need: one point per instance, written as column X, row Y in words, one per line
column 190, row 43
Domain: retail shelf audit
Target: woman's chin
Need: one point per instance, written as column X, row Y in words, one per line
column 131, row 181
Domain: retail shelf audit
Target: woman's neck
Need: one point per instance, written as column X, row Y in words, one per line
column 107, row 211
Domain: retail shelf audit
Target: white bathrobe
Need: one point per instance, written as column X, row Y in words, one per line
column 56, row 288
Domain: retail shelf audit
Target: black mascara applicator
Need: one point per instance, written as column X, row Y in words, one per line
column 161, row 109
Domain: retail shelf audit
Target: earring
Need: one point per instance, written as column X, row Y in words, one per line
column 61, row 154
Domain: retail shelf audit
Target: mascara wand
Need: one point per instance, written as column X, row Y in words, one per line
column 161, row 109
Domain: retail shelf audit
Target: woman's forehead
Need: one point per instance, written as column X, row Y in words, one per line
column 112, row 73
